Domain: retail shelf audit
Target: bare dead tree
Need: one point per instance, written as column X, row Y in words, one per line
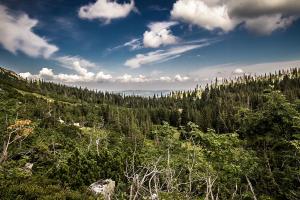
column 191, row 158
column 90, row 143
column 251, row 188
column 18, row 131
column 209, row 188
column 138, row 176
column 159, row 176
column 97, row 145
column 169, row 173
column 235, row 191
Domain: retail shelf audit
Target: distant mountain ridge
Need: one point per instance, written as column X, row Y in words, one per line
column 10, row 73
column 141, row 93
column 144, row 93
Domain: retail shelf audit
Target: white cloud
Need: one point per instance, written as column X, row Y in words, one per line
column 238, row 71
column 68, row 78
column 180, row 78
column 133, row 44
column 165, row 78
column 200, row 13
column 230, row 70
column 265, row 25
column 159, row 34
column 259, row 16
column 46, row 73
column 16, row 34
column 90, row 77
column 106, row 10
column 126, row 78
column 68, row 61
column 79, row 69
column 25, row 75
column 201, row 76
column 160, row 55
column 255, row 8
column 77, row 64
column 49, row 75
column 101, row 76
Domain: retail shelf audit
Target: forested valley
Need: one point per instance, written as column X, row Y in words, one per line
column 235, row 139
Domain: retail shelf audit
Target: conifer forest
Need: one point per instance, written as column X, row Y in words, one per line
column 231, row 139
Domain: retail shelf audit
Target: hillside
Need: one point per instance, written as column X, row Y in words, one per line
column 235, row 139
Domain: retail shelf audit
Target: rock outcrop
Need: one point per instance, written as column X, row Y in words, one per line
column 103, row 187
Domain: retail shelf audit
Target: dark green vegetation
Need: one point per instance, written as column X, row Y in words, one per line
column 235, row 140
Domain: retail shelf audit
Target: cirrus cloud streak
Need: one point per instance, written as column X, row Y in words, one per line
column 161, row 55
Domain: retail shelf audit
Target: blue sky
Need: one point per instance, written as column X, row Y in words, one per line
column 153, row 44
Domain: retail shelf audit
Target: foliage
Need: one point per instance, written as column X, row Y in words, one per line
column 237, row 139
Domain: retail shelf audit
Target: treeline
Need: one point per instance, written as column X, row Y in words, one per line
column 213, row 106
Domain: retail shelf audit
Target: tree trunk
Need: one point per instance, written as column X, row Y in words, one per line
column 4, row 153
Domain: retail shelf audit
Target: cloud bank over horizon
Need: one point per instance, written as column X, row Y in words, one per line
column 157, row 81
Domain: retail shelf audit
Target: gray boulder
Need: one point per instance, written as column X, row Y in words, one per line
column 103, row 187
column 28, row 166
